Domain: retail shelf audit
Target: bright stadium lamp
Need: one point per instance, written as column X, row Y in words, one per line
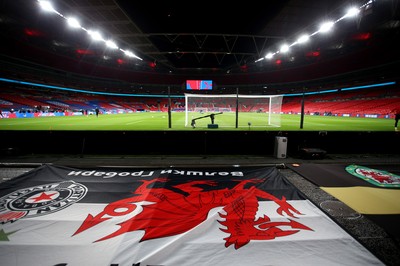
column 73, row 22
column 269, row 56
column 352, row 12
column 95, row 35
column 129, row 54
column 284, row 48
column 325, row 27
column 303, row 38
column 111, row 44
column 47, row 6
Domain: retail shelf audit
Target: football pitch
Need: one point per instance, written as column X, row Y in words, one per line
column 148, row 121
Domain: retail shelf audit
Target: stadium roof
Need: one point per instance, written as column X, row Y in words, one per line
column 185, row 37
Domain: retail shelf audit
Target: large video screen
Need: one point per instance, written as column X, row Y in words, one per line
column 197, row 84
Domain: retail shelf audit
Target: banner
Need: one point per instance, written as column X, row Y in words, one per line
column 57, row 215
column 376, row 177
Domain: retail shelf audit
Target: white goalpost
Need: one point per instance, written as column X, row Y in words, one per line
column 233, row 110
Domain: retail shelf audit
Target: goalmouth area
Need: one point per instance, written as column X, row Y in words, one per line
column 238, row 110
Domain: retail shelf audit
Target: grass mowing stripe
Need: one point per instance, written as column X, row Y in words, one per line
column 226, row 121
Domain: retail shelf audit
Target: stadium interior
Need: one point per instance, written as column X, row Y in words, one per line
column 48, row 68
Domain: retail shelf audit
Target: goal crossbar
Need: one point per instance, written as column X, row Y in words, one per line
column 267, row 105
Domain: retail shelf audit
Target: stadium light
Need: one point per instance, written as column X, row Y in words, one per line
column 269, row 55
column 73, row 22
column 284, row 48
column 47, row 6
column 352, row 12
column 111, row 44
column 303, row 38
column 326, row 26
column 130, row 54
column 95, row 35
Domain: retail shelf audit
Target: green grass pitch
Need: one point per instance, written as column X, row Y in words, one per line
column 226, row 121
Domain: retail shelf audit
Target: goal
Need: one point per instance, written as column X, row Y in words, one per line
column 233, row 110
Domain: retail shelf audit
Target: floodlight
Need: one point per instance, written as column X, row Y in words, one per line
column 353, row 11
column 111, row 44
column 269, row 56
column 73, row 22
column 303, row 38
column 284, row 48
column 129, row 53
column 95, row 35
column 47, row 6
column 325, row 27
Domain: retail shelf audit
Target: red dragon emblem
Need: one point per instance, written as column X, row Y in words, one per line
column 374, row 176
column 179, row 208
column 380, row 177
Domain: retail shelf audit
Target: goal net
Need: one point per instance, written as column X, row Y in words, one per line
column 233, row 110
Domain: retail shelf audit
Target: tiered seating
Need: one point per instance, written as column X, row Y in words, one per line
column 24, row 101
column 77, row 105
column 356, row 102
column 8, row 105
column 378, row 102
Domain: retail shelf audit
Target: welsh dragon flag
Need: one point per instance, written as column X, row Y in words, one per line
column 175, row 216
